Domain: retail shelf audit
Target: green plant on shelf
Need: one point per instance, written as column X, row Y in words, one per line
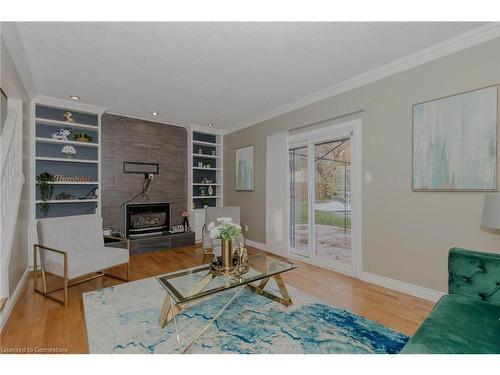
column 43, row 181
column 82, row 137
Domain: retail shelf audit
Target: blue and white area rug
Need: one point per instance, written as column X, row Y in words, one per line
column 124, row 319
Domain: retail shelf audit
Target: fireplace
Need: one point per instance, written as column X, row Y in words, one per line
column 147, row 219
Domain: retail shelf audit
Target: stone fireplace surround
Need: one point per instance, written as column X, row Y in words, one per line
column 129, row 139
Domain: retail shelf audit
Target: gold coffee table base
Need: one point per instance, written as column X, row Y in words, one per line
column 285, row 297
column 170, row 309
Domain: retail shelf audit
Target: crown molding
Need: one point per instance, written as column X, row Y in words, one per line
column 49, row 101
column 206, row 129
column 458, row 43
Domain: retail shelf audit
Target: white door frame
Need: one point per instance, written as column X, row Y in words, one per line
column 350, row 129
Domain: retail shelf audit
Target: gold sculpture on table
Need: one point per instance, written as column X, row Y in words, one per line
column 242, row 264
column 68, row 117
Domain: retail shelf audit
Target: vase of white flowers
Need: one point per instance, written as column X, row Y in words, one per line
column 226, row 231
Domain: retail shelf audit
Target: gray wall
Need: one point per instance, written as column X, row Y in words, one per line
column 13, row 88
column 128, row 139
column 406, row 235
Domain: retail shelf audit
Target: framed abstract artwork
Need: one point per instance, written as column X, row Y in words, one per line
column 455, row 142
column 244, row 169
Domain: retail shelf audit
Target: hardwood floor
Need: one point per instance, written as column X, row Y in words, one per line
column 41, row 324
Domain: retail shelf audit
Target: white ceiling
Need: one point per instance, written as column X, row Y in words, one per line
column 222, row 73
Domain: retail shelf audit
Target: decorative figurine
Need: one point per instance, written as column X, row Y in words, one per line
column 185, row 221
column 64, row 196
column 206, row 181
column 61, row 134
column 68, row 151
column 242, row 254
column 68, row 117
column 92, row 194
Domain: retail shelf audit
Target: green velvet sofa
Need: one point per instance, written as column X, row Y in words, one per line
column 467, row 320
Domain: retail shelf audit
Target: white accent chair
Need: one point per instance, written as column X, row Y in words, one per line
column 211, row 215
column 73, row 247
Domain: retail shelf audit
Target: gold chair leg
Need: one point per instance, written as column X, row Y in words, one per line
column 65, row 292
column 44, row 281
column 207, row 256
column 34, row 268
column 65, row 280
column 127, row 278
column 128, row 264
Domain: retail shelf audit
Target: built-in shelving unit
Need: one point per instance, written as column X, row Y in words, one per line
column 205, row 147
column 206, row 175
column 49, row 116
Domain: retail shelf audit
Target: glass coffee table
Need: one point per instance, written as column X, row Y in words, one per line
column 192, row 284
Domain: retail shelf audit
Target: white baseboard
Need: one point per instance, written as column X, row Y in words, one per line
column 312, row 262
column 403, row 287
column 386, row 282
column 257, row 245
column 11, row 302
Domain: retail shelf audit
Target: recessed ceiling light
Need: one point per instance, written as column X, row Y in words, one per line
column 74, row 97
column 211, row 125
column 155, row 113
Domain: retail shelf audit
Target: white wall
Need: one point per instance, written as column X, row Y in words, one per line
column 277, row 194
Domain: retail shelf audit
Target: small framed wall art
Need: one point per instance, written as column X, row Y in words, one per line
column 244, row 169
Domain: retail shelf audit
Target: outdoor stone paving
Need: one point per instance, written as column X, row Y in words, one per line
column 332, row 242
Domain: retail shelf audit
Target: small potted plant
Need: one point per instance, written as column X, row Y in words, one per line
column 44, row 183
column 82, row 137
column 68, row 151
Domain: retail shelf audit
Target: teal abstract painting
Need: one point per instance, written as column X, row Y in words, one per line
column 455, row 142
column 244, row 169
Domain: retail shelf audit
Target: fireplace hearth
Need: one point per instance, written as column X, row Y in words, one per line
column 147, row 219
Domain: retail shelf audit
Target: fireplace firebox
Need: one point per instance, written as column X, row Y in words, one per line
column 147, row 219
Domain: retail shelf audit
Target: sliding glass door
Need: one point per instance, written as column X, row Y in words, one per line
column 321, row 198
column 332, row 201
